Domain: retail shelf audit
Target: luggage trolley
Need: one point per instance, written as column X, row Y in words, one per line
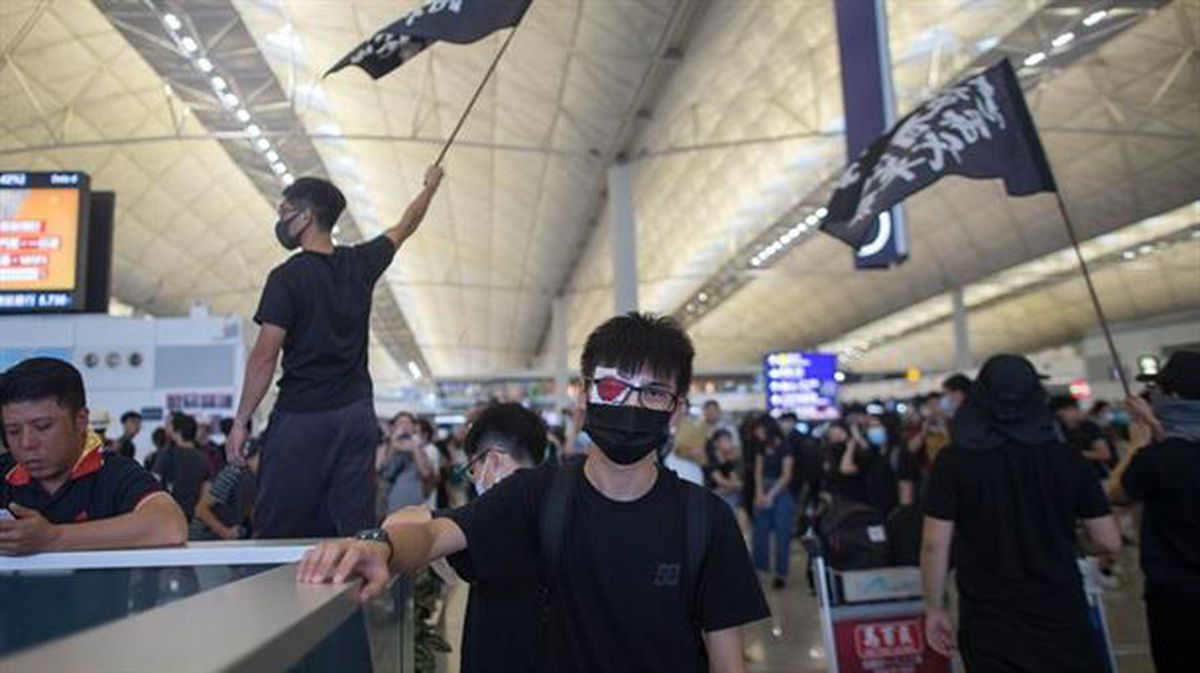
column 872, row 621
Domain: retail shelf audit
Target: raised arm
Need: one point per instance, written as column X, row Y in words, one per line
column 260, row 369
column 416, row 210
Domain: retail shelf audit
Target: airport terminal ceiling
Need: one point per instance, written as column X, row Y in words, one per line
column 729, row 110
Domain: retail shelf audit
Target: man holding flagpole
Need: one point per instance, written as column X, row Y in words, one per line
column 316, row 466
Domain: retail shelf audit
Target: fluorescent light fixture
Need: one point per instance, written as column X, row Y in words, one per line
column 230, row 100
column 1063, row 40
column 279, row 168
column 272, row 156
column 822, row 212
column 839, row 376
column 262, row 144
column 288, row 178
column 1035, row 58
column 1095, row 17
column 243, row 116
column 987, row 43
column 219, row 84
column 204, row 64
column 703, row 297
column 755, row 262
column 172, row 21
column 189, row 45
column 253, row 130
column 812, row 220
column 414, row 369
column 1129, row 254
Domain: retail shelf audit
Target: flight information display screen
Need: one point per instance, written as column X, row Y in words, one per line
column 803, row 383
column 43, row 241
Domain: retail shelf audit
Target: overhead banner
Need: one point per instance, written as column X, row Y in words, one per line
column 459, row 21
column 978, row 128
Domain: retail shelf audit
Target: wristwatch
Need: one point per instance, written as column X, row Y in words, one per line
column 377, row 535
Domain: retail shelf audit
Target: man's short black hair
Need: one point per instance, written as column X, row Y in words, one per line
column 184, row 425
column 1060, row 402
column 712, row 403
column 789, row 416
column 159, row 437
column 958, row 383
column 634, row 340
column 513, row 428
column 130, row 415
column 326, row 200
column 719, row 433
column 42, row 378
column 425, row 428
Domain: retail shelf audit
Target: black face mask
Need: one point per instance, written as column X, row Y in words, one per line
column 286, row 238
column 627, row 434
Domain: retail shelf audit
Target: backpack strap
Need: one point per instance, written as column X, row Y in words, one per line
column 695, row 504
column 553, row 525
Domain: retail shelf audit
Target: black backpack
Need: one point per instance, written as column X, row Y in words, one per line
column 556, row 513
column 854, row 536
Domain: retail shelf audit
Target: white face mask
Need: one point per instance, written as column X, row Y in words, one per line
column 489, row 476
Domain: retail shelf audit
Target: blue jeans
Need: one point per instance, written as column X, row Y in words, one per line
column 774, row 521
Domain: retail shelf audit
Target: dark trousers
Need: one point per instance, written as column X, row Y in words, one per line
column 1172, row 626
column 316, row 474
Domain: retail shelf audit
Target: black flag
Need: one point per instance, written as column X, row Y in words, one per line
column 979, row 128
column 460, row 21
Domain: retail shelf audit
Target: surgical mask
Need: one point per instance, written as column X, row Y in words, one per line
column 876, row 436
column 626, row 434
column 489, row 478
column 286, row 238
column 947, row 405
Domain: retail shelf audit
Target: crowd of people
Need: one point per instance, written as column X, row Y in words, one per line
column 619, row 542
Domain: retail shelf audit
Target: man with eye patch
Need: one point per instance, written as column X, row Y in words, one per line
column 637, row 570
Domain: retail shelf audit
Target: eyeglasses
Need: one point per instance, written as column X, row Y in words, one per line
column 466, row 470
column 612, row 390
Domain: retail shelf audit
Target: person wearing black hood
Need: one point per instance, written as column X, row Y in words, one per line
column 1009, row 495
column 625, row 591
column 1165, row 475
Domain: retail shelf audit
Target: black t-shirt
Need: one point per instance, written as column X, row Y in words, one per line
column 621, row 606
column 501, row 630
column 324, row 303
column 773, row 458
column 102, row 485
column 1166, row 477
column 849, row 487
column 183, row 471
column 1082, row 437
column 1014, row 511
column 726, row 468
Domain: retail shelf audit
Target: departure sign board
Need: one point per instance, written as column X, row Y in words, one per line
column 43, row 241
column 803, row 383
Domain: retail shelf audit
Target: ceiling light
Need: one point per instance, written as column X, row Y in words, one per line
column 690, row 308
column 243, row 116
column 204, row 64
column 230, row 100
column 1095, row 17
column 703, row 297
column 288, row 178
column 414, row 369
column 272, row 156
column 1129, row 254
column 219, row 84
column 279, row 168
column 172, row 21
column 822, row 212
column 1063, row 40
column 262, row 144
column 189, row 45
column 812, row 220
column 253, row 130
column 755, row 262
column 1146, row 249
column 1035, row 58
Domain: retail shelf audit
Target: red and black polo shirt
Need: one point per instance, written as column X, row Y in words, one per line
column 102, row 485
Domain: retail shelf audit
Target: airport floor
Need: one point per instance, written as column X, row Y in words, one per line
column 790, row 642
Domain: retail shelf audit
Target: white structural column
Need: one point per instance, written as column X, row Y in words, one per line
column 624, row 238
column 558, row 333
column 962, row 337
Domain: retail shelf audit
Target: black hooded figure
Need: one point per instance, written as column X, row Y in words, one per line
column 1009, row 495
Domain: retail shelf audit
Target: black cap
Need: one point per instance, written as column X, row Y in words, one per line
column 1007, row 403
column 1180, row 376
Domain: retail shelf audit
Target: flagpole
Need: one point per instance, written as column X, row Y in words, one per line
column 1087, row 279
column 478, row 90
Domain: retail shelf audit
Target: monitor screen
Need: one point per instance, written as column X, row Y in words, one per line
column 803, row 383
column 43, row 241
